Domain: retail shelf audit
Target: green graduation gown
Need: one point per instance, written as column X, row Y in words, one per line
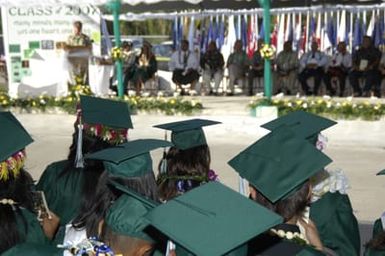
column 336, row 223
column 63, row 194
column 30, row 229
column 377, row 227
column 33, row 249
column 371, row 252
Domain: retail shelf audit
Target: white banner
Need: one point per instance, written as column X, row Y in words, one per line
column 32, row 38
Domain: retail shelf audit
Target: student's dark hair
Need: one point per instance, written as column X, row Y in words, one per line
column 289, row 207
column 94, row 210
column 190, row 162
column 377, row 243
column 19, row 190
column 92, row 169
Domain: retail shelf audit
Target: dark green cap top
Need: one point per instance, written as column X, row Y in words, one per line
column 303, row 124
column 13, row 136
column 381, row 172
column 32, row 249
column 130, row 159
column 111, row 113
column 187, row 134
column 125, row 216
column 279, row 163
column 211, row 219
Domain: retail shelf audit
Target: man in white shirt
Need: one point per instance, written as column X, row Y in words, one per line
column 339, row 66
column 312, row 64
column 184, row 65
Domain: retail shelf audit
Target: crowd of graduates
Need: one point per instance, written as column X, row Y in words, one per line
column 107, row 198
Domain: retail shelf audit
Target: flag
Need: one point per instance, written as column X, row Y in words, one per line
column 341, row 32
column 289, row 29
column 312, row 30
column 107, row 43
column 244, row 31
column 239, row 27
column 297, row 33
column 377, row 35
column 262, row 32
column 274, row 35
column 326, row 44
column 318, row 30
column 251, row 38
column 191, row 33
column 370, row 30
column 230, row 39
column 281, row 33
column 221, row 36
column 357, row 34
column 331, row 32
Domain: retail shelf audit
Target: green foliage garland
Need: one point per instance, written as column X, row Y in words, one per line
column 338, row 109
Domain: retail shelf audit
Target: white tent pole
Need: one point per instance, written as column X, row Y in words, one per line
column 307, row 30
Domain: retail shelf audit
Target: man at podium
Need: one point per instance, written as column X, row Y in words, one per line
column 79, row 47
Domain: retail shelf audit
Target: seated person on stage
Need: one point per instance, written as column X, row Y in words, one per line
column 287, row 64
column 146, row 66
column 365, row 65
column 184, row 65
column 312, row 64
column 212, row 63
column 237, row 63
column 382, row 74
column 339, row 67
column 256, row 67
column 129, row 57
column 78, row 41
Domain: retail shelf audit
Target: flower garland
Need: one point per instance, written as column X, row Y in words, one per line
column 88, row 247
column 185, row 183
column 267, row 51
column 44, row 103
column 116, row 53
column 295, row 237
column 12, row 165
column 335, row 108
column 6, row 201
column 111, row 135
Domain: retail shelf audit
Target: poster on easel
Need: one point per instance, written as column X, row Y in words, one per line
column 33, row 39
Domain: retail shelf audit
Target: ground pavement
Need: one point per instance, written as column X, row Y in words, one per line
column 357, row 147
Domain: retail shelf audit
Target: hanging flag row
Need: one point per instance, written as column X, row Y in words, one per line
column 327, row 28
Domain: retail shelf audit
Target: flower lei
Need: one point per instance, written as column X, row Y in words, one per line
column 295, row 237
column 267, row 51
column 12, row 165
column 88, row 247
column 185, row 183
column 111, row 135
column 116, row 53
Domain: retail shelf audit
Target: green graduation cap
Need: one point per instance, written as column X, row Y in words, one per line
column 13, row 136
column 187, row 134
column 279, row 163
column 111, row 113
column 381, row 172
column 130, row 159
column 211, row 220
column 125, row 216
column 33, row 249
column 303, row 124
